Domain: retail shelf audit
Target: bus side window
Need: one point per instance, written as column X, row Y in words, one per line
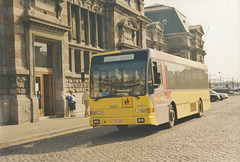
column 159, row 70
column 157, row 74
column 150, row 79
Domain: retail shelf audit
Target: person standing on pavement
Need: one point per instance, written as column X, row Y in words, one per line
column 72, row 103
column 85, row 100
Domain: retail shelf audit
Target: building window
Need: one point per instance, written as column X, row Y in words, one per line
column 86, row 62
column 138, row 4
column 99, row 22
column 78, row 61
column 91, row 28
column 43, row 55
column 83, row 26
column 74, row 21
column 70, row 59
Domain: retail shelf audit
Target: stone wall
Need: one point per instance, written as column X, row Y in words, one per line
column 14, row 85
column 7, row 61
column 24, row 109
column 4, row 110
column 14, row 101
column 78, row 87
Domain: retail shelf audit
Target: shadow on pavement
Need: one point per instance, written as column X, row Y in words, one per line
column 85, row 139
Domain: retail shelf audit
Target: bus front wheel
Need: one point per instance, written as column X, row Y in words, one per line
column 172, row 116
column 122, row 127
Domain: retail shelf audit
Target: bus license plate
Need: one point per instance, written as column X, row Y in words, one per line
column 118, row 121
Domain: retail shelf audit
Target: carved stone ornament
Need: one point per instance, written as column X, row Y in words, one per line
column 155, row 31
column 97, row 9
column 84, row 3
column 127, row 32
column 29, row 4
column 59, row 7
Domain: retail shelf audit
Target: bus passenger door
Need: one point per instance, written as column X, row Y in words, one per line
column 161, row 104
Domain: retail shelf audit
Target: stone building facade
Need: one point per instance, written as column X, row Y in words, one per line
column 47, row 44
column 179, row 36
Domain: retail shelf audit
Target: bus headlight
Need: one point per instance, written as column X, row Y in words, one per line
column 96, row 121
column 140, row 120
column 96, row 112
column 141, row 110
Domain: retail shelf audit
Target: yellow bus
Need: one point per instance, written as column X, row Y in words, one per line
column 145, row 87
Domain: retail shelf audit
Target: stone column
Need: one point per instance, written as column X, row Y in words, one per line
column 103, row 33
column 144, row 32
column 95, row 41
column 59, row 79
column 70, row 36
column 140, row 35
column 88, row 29
column 31, row 56
column 79, row 39
column 90, row 55
column 82, row 60
column 73, row 60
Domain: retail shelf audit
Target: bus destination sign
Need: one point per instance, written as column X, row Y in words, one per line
column 119, row 58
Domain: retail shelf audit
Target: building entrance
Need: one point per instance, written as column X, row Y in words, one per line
column 44, row 90
column 44, row 73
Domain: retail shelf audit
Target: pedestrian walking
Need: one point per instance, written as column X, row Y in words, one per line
column 72, row 103
column 85, row 100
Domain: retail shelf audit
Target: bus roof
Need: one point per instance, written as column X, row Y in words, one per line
column 160, row 55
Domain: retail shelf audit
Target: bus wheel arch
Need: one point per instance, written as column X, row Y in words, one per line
column 200, row 108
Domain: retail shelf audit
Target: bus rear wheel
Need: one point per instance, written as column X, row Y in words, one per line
column 200, row 109
column 122, row 127
column 172, row 116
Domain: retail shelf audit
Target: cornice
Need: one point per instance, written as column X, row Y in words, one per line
column 122, row 44
column 46, row 23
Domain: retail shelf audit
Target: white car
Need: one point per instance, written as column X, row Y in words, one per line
column 222, row 95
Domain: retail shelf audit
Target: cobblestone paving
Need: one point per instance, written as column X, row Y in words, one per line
column 214, row 137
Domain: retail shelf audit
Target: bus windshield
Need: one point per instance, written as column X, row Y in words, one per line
column 118, row 75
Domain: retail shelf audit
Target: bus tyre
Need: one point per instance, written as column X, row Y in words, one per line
column 172, row 116
column 122, row 127
column 200, row 109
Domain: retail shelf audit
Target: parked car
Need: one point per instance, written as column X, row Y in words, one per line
column 222, row 95
column 214, row 97
column 237, row 90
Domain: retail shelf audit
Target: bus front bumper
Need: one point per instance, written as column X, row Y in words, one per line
column 147, row 120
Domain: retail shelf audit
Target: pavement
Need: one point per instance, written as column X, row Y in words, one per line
column 11, row 135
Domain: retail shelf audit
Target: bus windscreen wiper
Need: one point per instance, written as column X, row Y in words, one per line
column 133, row 95
column 103, row 97
column 100, row 98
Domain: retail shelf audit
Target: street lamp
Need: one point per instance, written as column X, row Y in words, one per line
column 220, row 79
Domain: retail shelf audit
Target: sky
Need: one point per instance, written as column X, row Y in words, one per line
column 220, row 20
